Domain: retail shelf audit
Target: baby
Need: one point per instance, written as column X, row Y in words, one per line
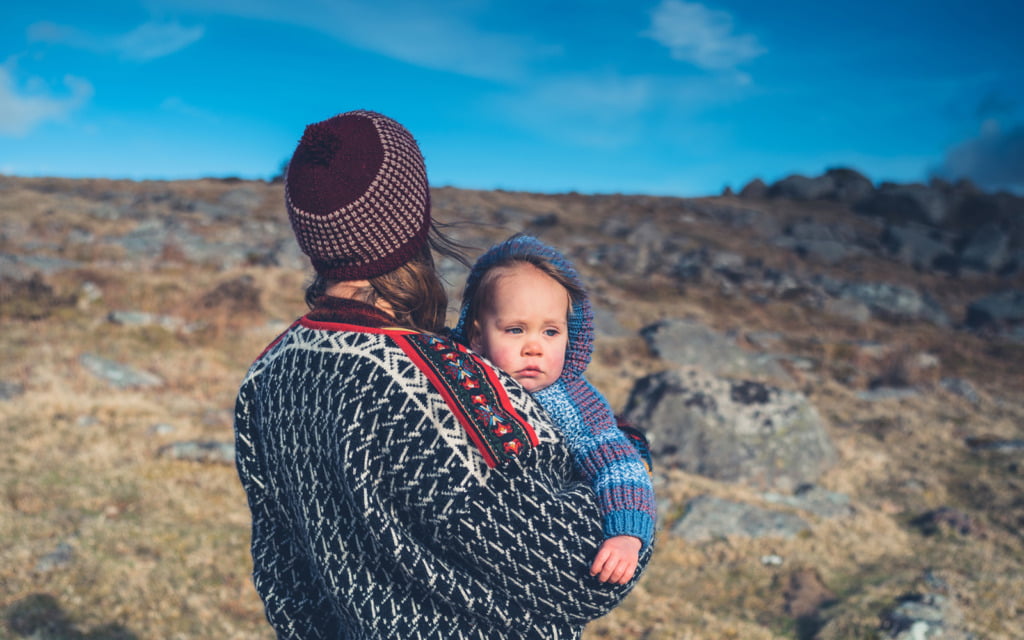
column 525, row 308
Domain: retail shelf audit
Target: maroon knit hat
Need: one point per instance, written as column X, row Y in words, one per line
column 357, row 195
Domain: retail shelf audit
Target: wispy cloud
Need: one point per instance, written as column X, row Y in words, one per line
column 146, row 42
column 701, row 36
column 443, row 37
column 23, row 110
column 174, row 104
column 590, row 111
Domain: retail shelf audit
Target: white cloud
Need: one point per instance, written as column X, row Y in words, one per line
column 22, row 111
column 701, row 36
column 440, row 37
column 174, row 104
column 589, row 111
column 146, row 42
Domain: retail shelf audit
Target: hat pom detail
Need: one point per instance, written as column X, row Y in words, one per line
column 319, row 145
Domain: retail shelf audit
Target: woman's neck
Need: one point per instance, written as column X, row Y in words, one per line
column 360, row 290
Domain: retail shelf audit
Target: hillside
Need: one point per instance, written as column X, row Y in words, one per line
column 895, row 314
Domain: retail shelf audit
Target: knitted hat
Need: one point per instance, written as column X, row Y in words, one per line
column 357, row 196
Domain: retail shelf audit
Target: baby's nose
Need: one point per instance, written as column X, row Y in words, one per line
column 532, row 348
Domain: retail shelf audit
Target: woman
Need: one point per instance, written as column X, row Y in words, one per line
column 400, row 487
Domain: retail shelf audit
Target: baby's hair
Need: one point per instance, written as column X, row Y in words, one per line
column 481, row 296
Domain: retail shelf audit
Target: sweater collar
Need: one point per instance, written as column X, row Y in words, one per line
column 347, row 311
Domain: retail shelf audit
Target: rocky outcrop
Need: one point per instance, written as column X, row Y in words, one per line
column 1002, row 313
column 731, row 430
column 950, row 227
column 707, row 518
column 690, row 343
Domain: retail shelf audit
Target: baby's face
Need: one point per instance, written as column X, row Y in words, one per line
column 525, row 332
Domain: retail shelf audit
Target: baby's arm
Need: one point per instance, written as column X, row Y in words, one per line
column 617, row 559
column 606, row 459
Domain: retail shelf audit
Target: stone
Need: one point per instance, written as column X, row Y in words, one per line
column 895, row 302
column 924, row 616
column 962, row 388
column 708, row 517
column 805, row 594
column 798, row 187
column 1001, row 310
column 731, row 430
column 814, row 499
column 850, row 185
column 691, row 343
column 62, row 556
column 117, row 374
column 200, row 451
column 920, row 247
column 756, row 188
column 906, row 203
column 10, row 390
column 987, row 250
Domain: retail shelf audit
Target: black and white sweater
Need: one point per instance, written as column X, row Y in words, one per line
column 402, row 488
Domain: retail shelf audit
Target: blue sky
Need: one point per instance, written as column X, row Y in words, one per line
column 663, row 97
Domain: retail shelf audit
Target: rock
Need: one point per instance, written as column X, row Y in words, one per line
column 756, row 188
column 1000, row 445
column 880, row 394
column 243, row 199
column 895, row 302
column 962, row 388
column 1000, row 311
column 200, row 451
column 118, row 374
column 31, row 298
column 805, row 594
column 1014, row 264
column 850, row 186
column 921, row 247
column 239, row 295
column 708, row 517
column 924, row 616
column 606, row 323
column 731, row 430
column 829, row 243
column 987, row 250
column 814, row 499
column 690, row 343
column 906, row 203
column 145, row 319
column 649, row 248
column 798, row 187
column 849, row 309
column 949, row 519
column 10, row 390
column 25, row 267
column 62, row 556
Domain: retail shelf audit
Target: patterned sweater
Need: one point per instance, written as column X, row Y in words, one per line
column 401, row 488
column 610, row 461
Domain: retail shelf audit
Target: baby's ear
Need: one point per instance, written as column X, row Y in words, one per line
column 474, row 337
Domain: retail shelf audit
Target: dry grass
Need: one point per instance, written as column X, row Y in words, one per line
column 159, row 548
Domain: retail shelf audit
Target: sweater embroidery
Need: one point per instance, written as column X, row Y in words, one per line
column 474, row 395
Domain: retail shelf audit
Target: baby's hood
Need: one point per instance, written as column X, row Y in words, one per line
column 581, row 319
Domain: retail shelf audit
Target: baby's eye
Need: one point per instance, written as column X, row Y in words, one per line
column 551, row 333
column 514, row 330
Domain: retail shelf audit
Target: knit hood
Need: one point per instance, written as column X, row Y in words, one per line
column 581, row 317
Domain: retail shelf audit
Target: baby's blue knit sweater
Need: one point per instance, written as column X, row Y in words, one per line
column 603, row 455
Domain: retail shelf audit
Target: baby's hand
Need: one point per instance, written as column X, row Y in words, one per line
column 616, row 559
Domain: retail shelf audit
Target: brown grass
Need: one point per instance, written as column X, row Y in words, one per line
column 160, row 547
